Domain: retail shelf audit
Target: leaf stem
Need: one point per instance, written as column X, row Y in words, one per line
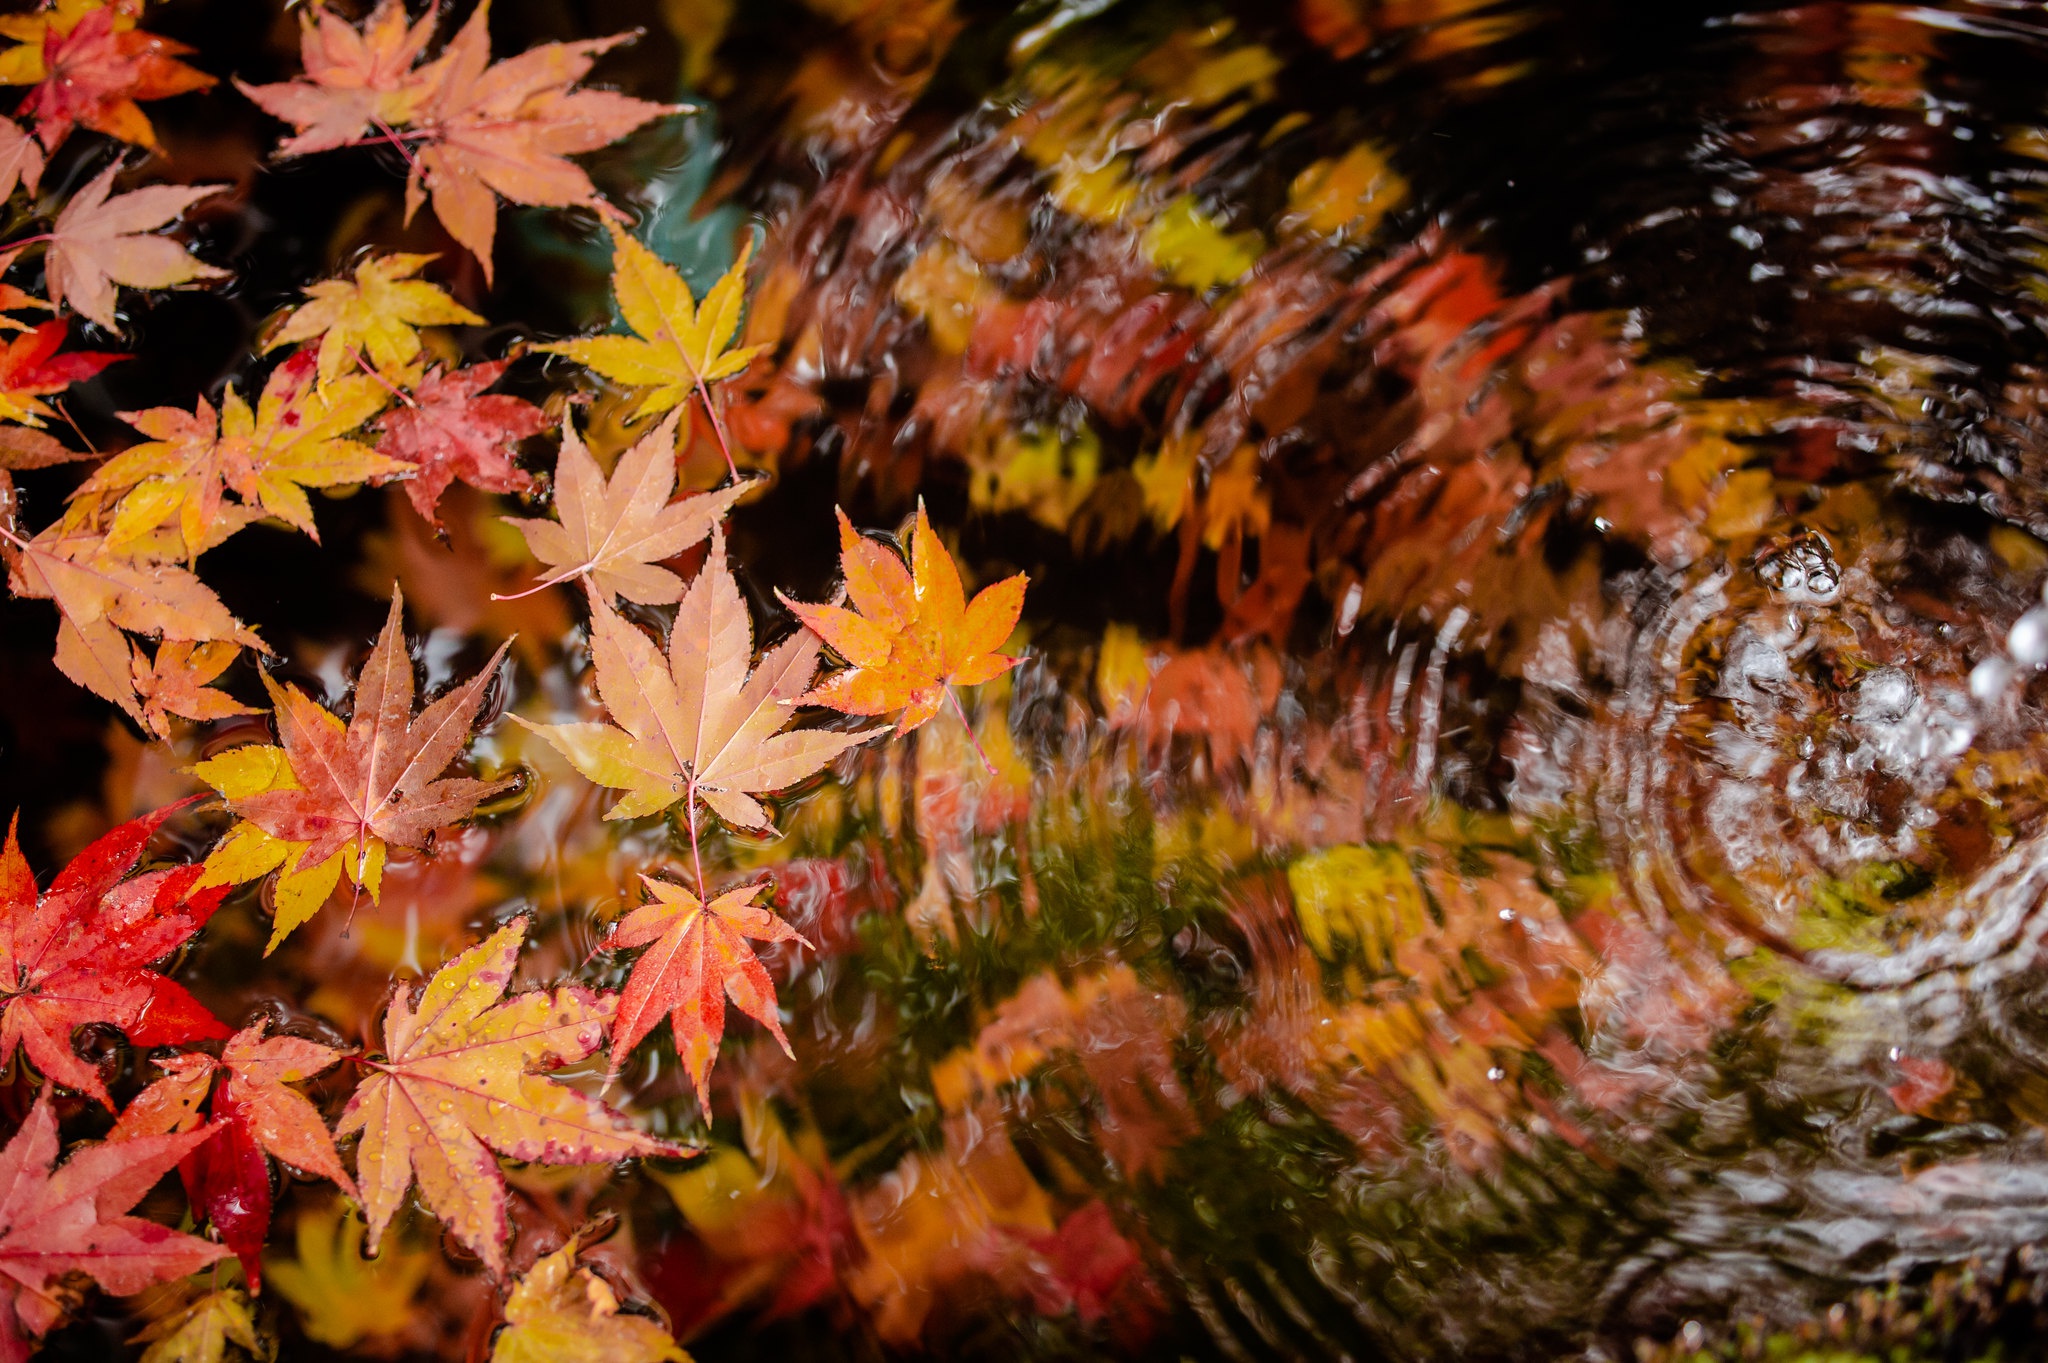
column 557, row 580
column 972, row 737
column 696, row 855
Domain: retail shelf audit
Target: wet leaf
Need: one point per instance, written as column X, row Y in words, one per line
column 99, row 242
column 697, row 956
column 335, row 796
column 202, row 1332
column 562, row 1313
column 70, row 1220
column 462, row 1076
column 80, row 953
column 174, row 682
column 92, row 69
column 911, row 633
column 678, row 347
column 699, row 726
column 297, row 438
column 450, row 429
column 31, row 369
column 376, row 316
column 612, row 532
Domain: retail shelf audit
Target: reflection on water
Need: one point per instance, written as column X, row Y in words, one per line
column 1522, row 834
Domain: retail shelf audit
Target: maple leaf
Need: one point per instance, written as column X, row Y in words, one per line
column 335, row 797
column 201, row 1331
column 21, row 160
column 697, row 956
column 354, row 79
column 343, row 1298
column 563, row 1313
column 475, row 131
column 175, row 683
column 699, row 726
column 254, row 1115
column 505, row 129
column 99, row 592
column 377, row 315
column 677, row 347
column 451, row 429
column 911, row 634
column 70, row 1220
column 13, row 299
column 98, row 242
column 297, row 438
column 462, row 1076
column 95, row 70
column 31, row 369
column 80, row 952
column 614, row 532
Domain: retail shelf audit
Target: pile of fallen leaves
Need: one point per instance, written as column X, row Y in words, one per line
column 468, row 1068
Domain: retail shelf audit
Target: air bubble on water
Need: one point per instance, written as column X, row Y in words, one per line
column 2028, row 640
column 1989, row 678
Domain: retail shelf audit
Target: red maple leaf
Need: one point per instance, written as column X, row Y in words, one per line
column 54, row 1223
column 452, row 429
column 30, row 367
column 227, row 1177
column 697, row 955
column 80, row 953
column 95, row 72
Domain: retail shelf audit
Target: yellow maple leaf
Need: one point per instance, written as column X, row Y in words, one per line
column 561, row 1313
column 296, row 438
column 678, row 346
column 462, row 1075
column 343, row 1298
column 377, row 314
column 202, row 1330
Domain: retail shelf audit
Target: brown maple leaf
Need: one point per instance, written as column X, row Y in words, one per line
column 462, row 1075
column 697, row 956
column 614, row 531
column 451, row 429
column 697, row 726
column 98, row 242
column 333, row 798
column 55, row 1222
column 354, row 79
column 96, row 70
column 912, row 635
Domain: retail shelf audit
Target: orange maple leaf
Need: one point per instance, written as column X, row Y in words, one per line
column 175, row 683
column 697, row 957
column 98, row 242
column 912, row 634
column 355, row 79
column 462, row 1075
column 613, row 532
column 472, row 131
column 94, row 71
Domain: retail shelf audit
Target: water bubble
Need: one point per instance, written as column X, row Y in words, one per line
column 2028, row 641
column 1989, row 678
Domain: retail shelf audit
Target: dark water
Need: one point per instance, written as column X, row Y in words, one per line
column 1522, row 832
